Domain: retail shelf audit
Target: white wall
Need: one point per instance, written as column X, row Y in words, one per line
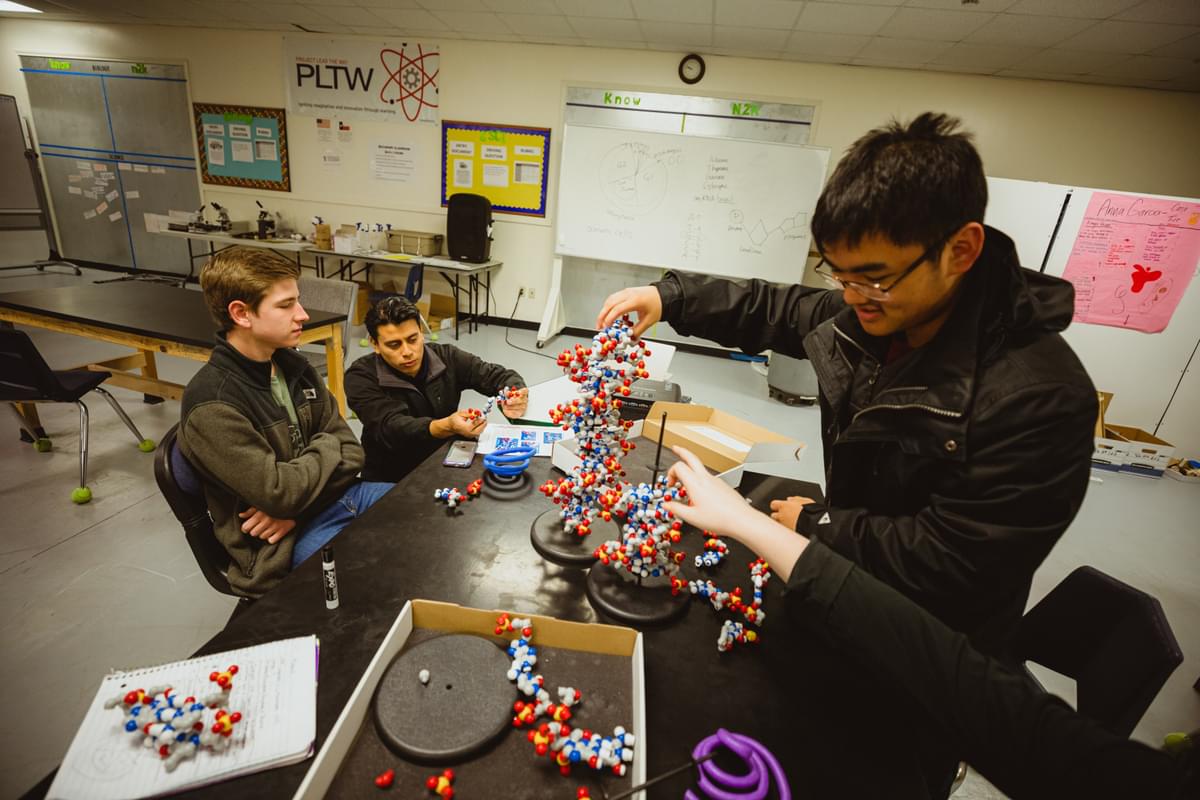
column 1124, row 139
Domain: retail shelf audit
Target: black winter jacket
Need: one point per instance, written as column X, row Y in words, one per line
column 395, row 414
column 950, row 472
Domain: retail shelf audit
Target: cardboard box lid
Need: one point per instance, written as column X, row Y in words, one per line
column 1129, row 433
column 719, row 439
column 1105, row 398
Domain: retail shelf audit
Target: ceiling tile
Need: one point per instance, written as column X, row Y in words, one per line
column 959, row 69
column 774, row 14
column 673, row 11
column 750, row 40
column 832, row 45
column 490, row 36
column 1178, row 12
column 438, row 6
column 411, row 19
column 979, row 6
column 1085, row 9
column 351, row 16
column 1126, row 37
column 1022, row 29
column 836, row 18
column 812, row 58
column 615, row 45
column 677, row 33
column 1067, row 62
column 902, row 51
column 1184, row 48
column 1150, row 68
column 565, row 41
column 923, row 23
column 521, row 6
column 611, row 9
column 984, row 56
column 538, row 25
column 868, row 2
column 618, row 30
column 472, row 21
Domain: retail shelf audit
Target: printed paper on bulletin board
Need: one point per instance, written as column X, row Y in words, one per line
column 504, row 163
column 243, row 146
column 1133, row 260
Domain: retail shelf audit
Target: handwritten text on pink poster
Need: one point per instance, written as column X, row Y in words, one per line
column 1133, row 259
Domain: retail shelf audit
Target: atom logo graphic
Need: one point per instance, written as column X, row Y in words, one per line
column 416, row 89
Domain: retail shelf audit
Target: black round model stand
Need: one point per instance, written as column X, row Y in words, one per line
column 505, row 487
column 465, row 705
column 557, row 545
column 640, row 604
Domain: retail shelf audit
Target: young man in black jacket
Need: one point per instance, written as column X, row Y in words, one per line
column 956, row 422
column 407, row 392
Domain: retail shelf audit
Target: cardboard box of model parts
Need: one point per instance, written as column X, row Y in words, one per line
column 1141, row 452
column 720, row 440
column 605, row 640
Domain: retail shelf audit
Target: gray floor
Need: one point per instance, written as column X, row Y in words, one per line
column 112, row 584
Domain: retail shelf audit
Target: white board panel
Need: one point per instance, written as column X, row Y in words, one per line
column 1027, row 211
column 728, row 207
column 1181, row 425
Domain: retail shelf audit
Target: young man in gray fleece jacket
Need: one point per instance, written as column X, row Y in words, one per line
column 277, row 461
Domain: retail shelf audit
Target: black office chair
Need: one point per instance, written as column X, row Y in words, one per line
column 180, row 485
column 26, row 378
column 1112, row 639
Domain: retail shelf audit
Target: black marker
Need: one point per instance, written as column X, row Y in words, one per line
column 329, row 578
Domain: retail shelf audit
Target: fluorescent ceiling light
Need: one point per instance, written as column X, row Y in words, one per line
column 8, row 5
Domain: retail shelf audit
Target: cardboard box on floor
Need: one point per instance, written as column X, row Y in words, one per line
column 437, row 309
column 1126, row 448
column 452, row 618
column 720, row 440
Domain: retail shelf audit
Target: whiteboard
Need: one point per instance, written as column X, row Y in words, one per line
column 719, row 206
column 1028, row 212
column 1140, row 369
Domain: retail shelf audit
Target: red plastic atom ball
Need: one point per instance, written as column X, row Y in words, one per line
column 384, row 779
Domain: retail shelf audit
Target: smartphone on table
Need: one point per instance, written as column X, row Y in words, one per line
column 460, row 454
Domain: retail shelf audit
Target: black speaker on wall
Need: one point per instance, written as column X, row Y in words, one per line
column 469, row 227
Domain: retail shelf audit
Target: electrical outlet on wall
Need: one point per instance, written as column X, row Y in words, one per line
column 529, row 292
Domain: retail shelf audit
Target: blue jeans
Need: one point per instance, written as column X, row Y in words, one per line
column 337, row 515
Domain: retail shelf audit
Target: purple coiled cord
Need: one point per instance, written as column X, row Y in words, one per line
column 753, row 785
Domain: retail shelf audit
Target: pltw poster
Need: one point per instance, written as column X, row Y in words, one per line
column 1133, row 259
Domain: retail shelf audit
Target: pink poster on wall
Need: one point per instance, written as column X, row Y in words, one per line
column 1133, row 259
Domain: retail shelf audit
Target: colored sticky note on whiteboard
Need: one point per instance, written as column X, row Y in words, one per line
column 113, row 217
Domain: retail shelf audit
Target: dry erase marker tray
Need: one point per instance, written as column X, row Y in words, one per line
column 603, row 662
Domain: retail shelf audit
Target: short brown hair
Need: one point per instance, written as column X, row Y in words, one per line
column 241, row 273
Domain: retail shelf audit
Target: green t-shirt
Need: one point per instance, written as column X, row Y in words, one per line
column 279, row 391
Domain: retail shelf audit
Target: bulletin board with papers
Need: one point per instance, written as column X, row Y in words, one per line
column 504, row 163
column 243, row 146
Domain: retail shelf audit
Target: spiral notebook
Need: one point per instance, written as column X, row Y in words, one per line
column 275, row 690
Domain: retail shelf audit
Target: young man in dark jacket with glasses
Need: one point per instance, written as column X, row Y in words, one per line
column 956, row 422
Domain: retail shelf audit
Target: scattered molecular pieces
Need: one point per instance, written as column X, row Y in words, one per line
column 384, row 779
column 423, row 677
column 714, row 553
column 753, row 782
column 441, row 785
column 554, row 738
column 452, row 497
column 760, row 574
column 583, row 793
column 224, row 679
column 173, row 725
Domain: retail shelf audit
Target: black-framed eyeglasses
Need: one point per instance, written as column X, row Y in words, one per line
column 875, row 291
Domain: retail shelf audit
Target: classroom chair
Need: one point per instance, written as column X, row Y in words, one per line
column 181, row 487
column 26, row 378
column 1112, row 639
column 333, row 296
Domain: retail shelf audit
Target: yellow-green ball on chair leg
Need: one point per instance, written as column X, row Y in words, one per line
column 146, row 445
column 81, row 495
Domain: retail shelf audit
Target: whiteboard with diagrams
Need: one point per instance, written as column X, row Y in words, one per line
column 718, row 206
